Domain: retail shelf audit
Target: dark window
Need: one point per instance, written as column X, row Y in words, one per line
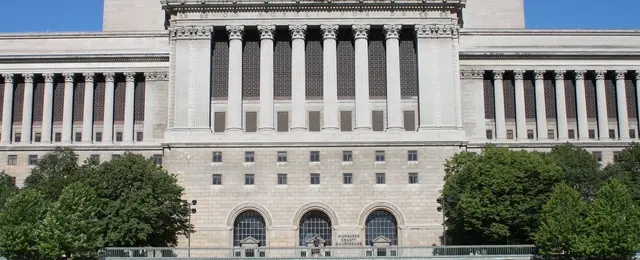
column 78, row 137
column 282, row 156
column 283, row 121
column 249, row 157
column 115, row 156
column 139, row 136
column 217, row 179
column 616, row 156
column 33, row 159
column 413, row 178
column 98, row 136
column 249, row 224
column 632, row 133
column 379, row 156
column 598, row 156
column 217, row 157
column 551, row 134
column 489, row 134
column 315, row 224
column 37, row 137
column 412, row 156
column 282, row 179
column 157, row 159
column 530, row 134
column 95, row 157
column 314, row 156
column 592, row 134
column 377, row 120
column 13, row 180
column 315, row 178
column 381, row 223
column 612, row 133
column 380, row 178
column 314, row 121
column 251, row 122
column 58, row 137
column 345, row 121
column 219, row 122
column 347, row 178
column 509, row 134
column 249, row 179
column 409, row 121
column 12, row 159
column 347, row 156
column 118, row 136
column 17, row 137
column 572, row 134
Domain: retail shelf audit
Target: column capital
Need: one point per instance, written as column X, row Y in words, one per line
column 620, row 74
column 559, row 74
column 580, row 74
column 539, row 74
column 8, row 77
column 298, row 31
column 329, row 31
column 109, row 76
column 149, row 76
column 392, row 31
column 600, row 74
column 436, row 30
column 498, row 74
column 131, row 76
column 88, row 76
column 235, row 32
column 518, row 74
column 28, row 77
column 48, row 77
column 267, row 31
column 162, row 75
column 68, row 77
column 472, row 74
column 192, row 32
column 360, row 31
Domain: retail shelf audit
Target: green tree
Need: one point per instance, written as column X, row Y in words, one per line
column 54, row 172
column 142, row 202
column 627, row 170
column 71, row 225
column 614, row 223
column 7, row 188
column 496, row 197
column 20, row 230
column 562, row 227
column 581, row 169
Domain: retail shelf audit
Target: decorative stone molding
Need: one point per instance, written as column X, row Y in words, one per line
column 600, row 74
column 518, row 74
column 637, row 74
column 392, row 30
column 68, row 77
column 88, row 76
column 436, row 30
column 235, row 32
column 381, row 205
column 360, row 31
column 472, row 74
column 162, row 75
column 498, row 74
column 560, row 74
column 298, row 31
column 267, row 31
column 539, row 74
column 109, row 76
column 8, row 77
column 48, row 77
column 192, row 32
column 319, row 206
column 131, row 76
column 580, row 74
column 28, row 77
column 329, row 31
column 249, row 206
column 150, row 76
column 620, row 74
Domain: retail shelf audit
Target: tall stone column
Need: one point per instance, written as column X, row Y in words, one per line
column 581, row 104
column 234, row 105
column 477, row 76
column 47, row 108
column 266, row 77
column 561, row 106
column 498, row 88
column 87, row 113
column 149, row 105
column 456, row 75
column 7, row 108
column 173, row 49
column 394, row 95
column 298, row 78
column 621, row 95
column 67, row 115
column 129, row 99
column 601, row 96
column 27, row 109
column 107, row 131
column 330, row 77
column 541, row 110
column 363, row 110
column 521, row 117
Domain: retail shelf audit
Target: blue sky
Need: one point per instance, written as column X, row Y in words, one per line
column 86, row 15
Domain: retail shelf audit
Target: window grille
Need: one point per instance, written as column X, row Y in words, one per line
column 381, row 223
column 249, row 224
column 315, row 224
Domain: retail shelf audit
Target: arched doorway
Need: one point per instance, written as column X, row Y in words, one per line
column 381, row 224
column 249, row 227
column 315, row 226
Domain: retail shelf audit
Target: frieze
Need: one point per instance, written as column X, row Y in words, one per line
column 472, row 74
column 192, row 32
column 436, row 30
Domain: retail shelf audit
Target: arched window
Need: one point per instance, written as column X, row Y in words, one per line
column 381, row 223
column 315, row 224
column 249, row 224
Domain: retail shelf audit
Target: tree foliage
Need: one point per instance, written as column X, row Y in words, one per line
column 581, row 169
column 54, row 172
column 20, row 231
column 627, row 169
column 7, row 188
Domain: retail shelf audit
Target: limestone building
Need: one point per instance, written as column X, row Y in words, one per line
column 304, row 123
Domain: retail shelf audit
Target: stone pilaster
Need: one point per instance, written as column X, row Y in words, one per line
column 394, row 94
column 581, row 104
column 521, row 118
column 129, row 100
column 561, row 106
column 27, row 109
column 7, row 108
column 67, row 116
column 266, row 77
column 330, row 80
column 149, row 105
column 601, row 96
column 541, row 109
column 109, row 95
column 498, row 89
column 475, row 79
column 234, row 105
column 363, row 107
column 621, row 96
column 47, row 108
column 298, row 78
column 87, row 113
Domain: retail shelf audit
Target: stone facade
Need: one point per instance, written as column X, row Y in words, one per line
column 380, row 93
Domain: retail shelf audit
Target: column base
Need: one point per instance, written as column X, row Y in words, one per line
column 395, row 129
column 266, row 129
column 362, row 129
column 330, row 129
column 298, row 129
column 234, row 130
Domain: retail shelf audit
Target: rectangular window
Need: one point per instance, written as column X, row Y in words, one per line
column 78, row 137
column 345, row 121
column 37, row 137
column 347, row 178
column 314, row 121
column 282, row 156
column 551, row 134
column 251, row 122
column 57, row 137
column 380, row 178
column 616, row 156
column 509, row 134
column 282, row 179
column 377, row 121
column 315, row 178
column 157, row 159
column 530, row 134
column 412, row 156
column 115, row 156
column 118, row 136
column 249, row 157
column 12, row 159
column 347, row 156
column 413, row 178
column 592, row 134
column 249, row 179
column 95, row 157
column 489, row 134
column 33, row 159
column 139, row 136
column 216, row 179
column 612, row 133
column 13, row 180
column 217, row 157
column 379, row 156
column 632, row 133
column 598, row 156
column 283, row 121
column 219, row 122
column 410, row 121
column 572, row 134
column 98, row 136
column 314, row 156
column 17, row 137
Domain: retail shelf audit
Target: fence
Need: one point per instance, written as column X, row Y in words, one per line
column 434, row 252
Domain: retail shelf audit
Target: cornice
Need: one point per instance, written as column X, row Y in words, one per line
column 550, row 32
column 76, row 35
column 83, row 58
column 550, row 56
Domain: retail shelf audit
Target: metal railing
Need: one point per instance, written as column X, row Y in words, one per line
column 433, row 252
